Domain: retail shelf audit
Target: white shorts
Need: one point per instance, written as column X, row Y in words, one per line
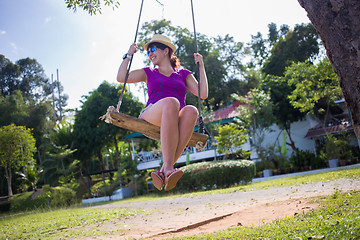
column 142, row 111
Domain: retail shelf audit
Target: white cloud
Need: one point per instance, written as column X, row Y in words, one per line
column 47, row 20
column 2, row 32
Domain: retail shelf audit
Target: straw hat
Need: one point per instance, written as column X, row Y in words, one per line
column 161, row 39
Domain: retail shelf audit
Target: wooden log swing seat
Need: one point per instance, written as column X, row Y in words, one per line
column 113, row 116
column 131, row 123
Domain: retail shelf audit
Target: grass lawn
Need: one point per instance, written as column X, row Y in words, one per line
column 339, row 217
column 59, row 224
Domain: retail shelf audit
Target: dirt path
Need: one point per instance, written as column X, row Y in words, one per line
column 184, row 216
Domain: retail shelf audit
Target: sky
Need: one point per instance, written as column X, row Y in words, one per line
column 87, row 50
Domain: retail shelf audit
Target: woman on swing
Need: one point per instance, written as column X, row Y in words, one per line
column 166, row 107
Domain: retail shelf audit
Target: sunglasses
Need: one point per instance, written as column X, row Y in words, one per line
column 153, row 49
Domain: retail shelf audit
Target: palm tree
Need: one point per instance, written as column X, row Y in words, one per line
column 30, row 176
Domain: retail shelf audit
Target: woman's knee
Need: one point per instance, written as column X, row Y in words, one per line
column 190, row 112
column 171, row 103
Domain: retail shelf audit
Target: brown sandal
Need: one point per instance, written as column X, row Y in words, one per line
column 158, row 180
column 172, row 179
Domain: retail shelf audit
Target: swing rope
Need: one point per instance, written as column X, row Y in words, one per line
column 201, row 122
column 107, row 116
column 111, row 109
column 128, row 70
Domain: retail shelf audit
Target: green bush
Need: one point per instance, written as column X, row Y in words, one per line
column 208, row 175
column 4, row 206
column 78, row 187
column 50, row 197
column 58, row 196
column 264, row 164
column 306, row 159
column 101, row 189
column 62, row 196
column 25, row 202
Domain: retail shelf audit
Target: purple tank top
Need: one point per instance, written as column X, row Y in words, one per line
column 160, row 86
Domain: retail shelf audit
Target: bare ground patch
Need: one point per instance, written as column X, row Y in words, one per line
column 185, row 216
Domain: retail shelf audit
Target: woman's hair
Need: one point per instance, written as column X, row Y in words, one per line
column 174, row 60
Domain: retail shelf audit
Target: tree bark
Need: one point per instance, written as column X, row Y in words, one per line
column 101, row 161
column 8, row 176
column 292, row 143
column 86, row 169
column 338, row 24
column 116, row 151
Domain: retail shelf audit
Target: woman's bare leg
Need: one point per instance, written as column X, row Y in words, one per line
column 176, row 128
column 187, row 120
column 165, row 113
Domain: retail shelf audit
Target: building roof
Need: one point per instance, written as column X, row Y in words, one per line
column 318, row 130
column 228, row 112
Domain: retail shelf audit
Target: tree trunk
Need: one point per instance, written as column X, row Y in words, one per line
column 102, row 164
column 101, row 161
column 86, row 169
column 116, row 151
column 338, row 24
column 10, row 193
column 8, row 176
column 292, row 143
column 64, row 170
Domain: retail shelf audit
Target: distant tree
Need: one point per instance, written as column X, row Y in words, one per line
column 17, row 147
column 337, row 23
column 59, row 165
column 230, row 140
column 314, row 84
column 28, row 76
column 286, row 47
column 91, row 6
column 27, row 99
column 273, row 34
column 17, row 110
column 298, row 45
column 261, row 46
column 91, row 135
column 30, row 176
column 14, row 108
column 251, row 80
column 284, row 113
column 62, row 134
column 256, row 116
column 9, row 76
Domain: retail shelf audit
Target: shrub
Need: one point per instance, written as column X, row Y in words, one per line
column 306, row 158
column 58, row 196
column 230, row 140
column 4, row 204
column 264, row 164
column 101, row 189
column 107, row 188
column 25, row 202
column 49, row 197
column 62, row 196
column 209, row 175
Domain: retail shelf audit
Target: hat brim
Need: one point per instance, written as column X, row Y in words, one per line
column 170, row 45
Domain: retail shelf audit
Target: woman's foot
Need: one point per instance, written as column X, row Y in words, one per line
column 172, row 177
column 158, row 180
